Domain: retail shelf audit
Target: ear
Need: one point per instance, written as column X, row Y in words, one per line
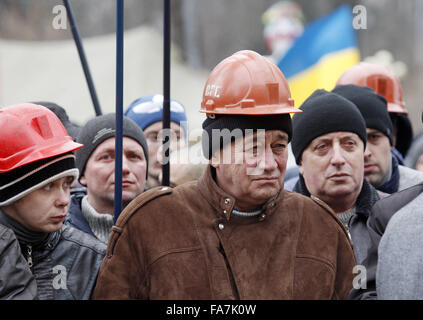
column 216, row 159
column 301, row 169
column 214, row 162
column 83, row 181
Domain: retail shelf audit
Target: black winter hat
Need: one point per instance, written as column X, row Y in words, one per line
column 100, row 128
column 242, row 122
column 404, row 132
column 25, row 179
column 373, row 107
column 324, row 112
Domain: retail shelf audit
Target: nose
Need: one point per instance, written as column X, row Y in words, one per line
column 63, row 197
column 337, row 158
column 268, row 161
column 367, row 153
column 125, row 165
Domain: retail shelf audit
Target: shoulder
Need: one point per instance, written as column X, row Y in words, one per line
column 6, row 233
column 82, row 239
column 314, row 211
column 157, row 201
column 7, row 237
column 409, row 177
column 386, row 208
column 396, row 201
column 409, row 216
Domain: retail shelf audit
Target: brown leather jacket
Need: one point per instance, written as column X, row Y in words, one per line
column 183, row 243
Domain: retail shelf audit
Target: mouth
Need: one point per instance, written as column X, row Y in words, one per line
column 59, row 218
column 339, row 176
column 266, row 179
column 369, row 168
column 127, row 183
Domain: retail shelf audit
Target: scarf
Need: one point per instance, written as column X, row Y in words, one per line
column 391, row 185
column 100, row 223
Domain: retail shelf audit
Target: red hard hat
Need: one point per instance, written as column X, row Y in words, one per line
column 29, row 133
column 379, row 78
column 247, row 83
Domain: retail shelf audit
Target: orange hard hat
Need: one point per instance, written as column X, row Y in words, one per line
column 247, row 83
column 379, row 78
column 30, row 132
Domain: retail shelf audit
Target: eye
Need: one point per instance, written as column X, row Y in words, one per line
column 68, row 182
column 373, row 136
column 350, row 143
column 135, row 156
column 48, row 187
column 321, row 148
column 153, row 137
column 105, row 157
column 280, row 146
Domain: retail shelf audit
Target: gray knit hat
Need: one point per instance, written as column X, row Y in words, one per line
column 100, row 128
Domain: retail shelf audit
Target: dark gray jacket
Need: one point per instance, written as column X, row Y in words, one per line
column 65, row 263
column 380, row 216
column 357, row 224
column 16, row 280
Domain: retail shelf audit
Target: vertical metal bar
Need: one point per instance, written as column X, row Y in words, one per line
column 166, row 93
column 119, row 108
column 80, row 48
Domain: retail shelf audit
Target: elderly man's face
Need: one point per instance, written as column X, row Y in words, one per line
column 99, row 174
column 332, row 166
column 259, row 176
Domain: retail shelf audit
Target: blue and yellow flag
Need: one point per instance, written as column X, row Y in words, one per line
column 321, row 54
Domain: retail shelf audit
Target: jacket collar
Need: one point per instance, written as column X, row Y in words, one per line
column 225, row 203
column 365, row 200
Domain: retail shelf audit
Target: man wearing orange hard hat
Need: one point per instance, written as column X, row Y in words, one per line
column 235, row 233
column 385, row 83
column 37, row 168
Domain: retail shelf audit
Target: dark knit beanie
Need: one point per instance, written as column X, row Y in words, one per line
column 373, row 107
column 21, row 181
column 324, row 112
column 100, row 128
column 230, row 123
column 404, row 131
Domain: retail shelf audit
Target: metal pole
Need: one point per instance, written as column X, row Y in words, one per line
column 166, row 93
column 119, row 108
column 78, row 42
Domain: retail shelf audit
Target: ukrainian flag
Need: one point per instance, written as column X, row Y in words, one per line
column 321, row 54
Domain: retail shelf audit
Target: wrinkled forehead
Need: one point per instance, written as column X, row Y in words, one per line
column 264, row 136
column 335, row 136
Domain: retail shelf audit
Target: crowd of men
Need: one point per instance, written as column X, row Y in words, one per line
column 235, row 227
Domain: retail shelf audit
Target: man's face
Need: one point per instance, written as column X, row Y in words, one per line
column 44, row 209
column 332, row 166
column 99, row 174
column 259, row 176
column 377, row 157
column 153, row 134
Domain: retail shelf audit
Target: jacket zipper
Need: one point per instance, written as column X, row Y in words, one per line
column 29, row 257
